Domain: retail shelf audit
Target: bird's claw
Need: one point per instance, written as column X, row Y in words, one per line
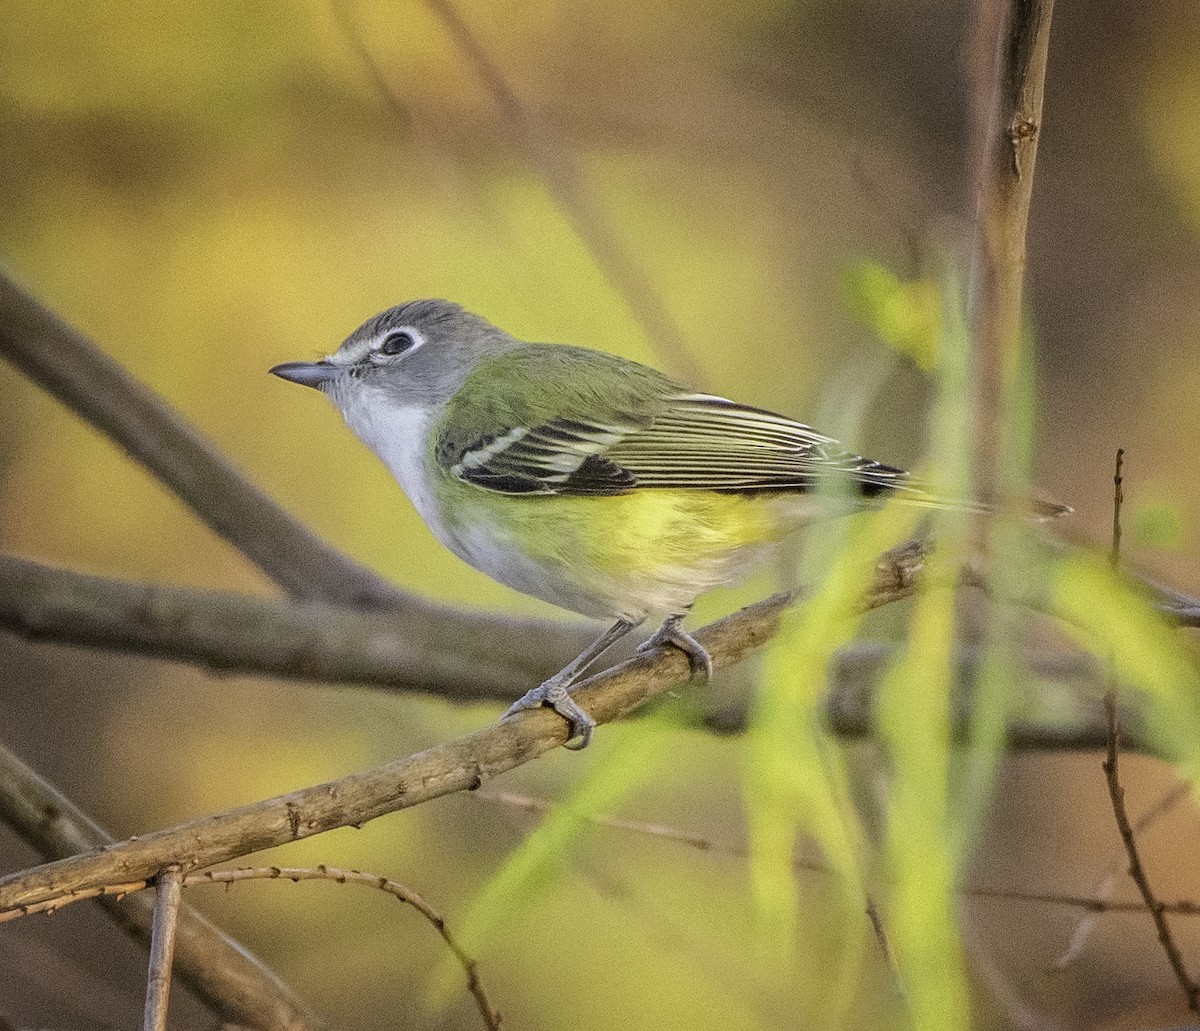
column 556, row 695
column 671, row 633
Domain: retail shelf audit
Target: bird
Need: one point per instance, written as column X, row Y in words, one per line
column 587, row 480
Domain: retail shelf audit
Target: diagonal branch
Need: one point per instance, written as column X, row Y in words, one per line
column 1137, row 870
column 64, row 362
column 444, row 769
column 228, row 979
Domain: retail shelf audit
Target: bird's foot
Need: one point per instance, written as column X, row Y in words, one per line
column 671, row 633
column 554, row 693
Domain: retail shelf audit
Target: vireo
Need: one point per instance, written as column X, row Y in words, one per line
column 584, row 479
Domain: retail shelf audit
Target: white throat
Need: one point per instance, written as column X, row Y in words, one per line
column 399, row 435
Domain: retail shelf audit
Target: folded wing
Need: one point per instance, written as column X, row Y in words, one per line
column 691, row 441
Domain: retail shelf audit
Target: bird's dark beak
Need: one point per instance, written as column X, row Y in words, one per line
column 308, row 374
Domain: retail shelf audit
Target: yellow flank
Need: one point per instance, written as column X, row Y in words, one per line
column 628, row 555
column 641, row 532
column 666, row 529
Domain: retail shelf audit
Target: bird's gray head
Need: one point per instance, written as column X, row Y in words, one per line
column 417, row 353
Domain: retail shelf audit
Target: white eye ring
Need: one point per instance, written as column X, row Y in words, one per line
column 399, row 341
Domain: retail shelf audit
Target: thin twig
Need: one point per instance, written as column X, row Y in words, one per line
column 1088, row 903
column 458, row 765
column 119, row 892
column 168, row 886
column 105, row 892
column 487, row 1009
column 234, row 985
column 654, row 830
column 1137, row 871
column 1117, row 793
column 1103, row 889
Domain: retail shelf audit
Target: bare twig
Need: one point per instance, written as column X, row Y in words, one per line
column 654, row 830
column 1103, row 889
column 168, row 886
column 1136, row 870
column 553, row 163
column 230, row 981
column 68, row 365
column 1117, row 793
column 104, row 893
column 454, row 766
column 119, row 892
column 1088, row 903
column 487, row 1009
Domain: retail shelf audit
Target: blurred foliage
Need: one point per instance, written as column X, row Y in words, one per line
column 210, row 189
column 1156, row 524
column 905, row 315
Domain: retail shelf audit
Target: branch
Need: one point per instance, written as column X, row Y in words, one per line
column 1102, row 890
column 491, row 1016
column 1005, row 190
column 1136, row 870
column 68, row 365
column 312, row 642
column 457, row 655
column 459, row 765
column 487, row 1009
column 169, row 886
column 228, row 979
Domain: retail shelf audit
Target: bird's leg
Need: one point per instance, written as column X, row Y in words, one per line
column 673, row 634
column 555, row 691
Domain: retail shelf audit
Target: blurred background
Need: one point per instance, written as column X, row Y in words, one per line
column 209, row 189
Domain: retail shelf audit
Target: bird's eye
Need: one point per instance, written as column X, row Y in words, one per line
column 397, row 343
